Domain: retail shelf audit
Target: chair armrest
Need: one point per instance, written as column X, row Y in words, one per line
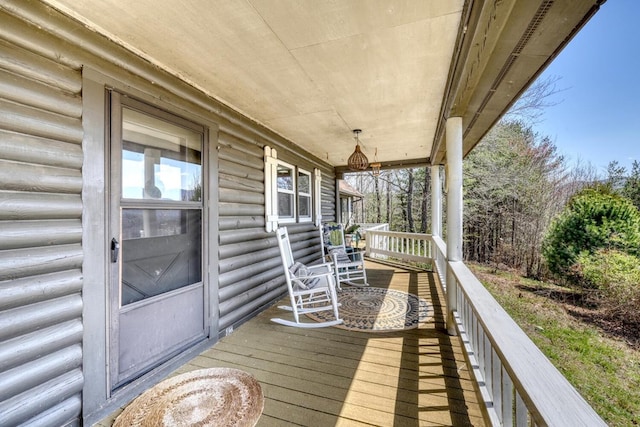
column 318, row 268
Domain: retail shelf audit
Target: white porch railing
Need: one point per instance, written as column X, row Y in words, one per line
column 373, row 226
column 414, row 247
column 519, row 385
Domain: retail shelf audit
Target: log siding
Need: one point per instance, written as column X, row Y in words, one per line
column 41, row 254
column 249, row 264
column 53, row 190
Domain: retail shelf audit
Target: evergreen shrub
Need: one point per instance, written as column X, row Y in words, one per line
column 594, row 219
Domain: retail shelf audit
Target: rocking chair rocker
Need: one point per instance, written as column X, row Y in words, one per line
column 311, row 288
column 348, row 264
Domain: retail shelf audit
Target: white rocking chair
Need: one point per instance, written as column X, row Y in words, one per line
column 348, row 264
column 311, row 288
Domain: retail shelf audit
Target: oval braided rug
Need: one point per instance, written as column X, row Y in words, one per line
column 206, row 397
column 371, row 309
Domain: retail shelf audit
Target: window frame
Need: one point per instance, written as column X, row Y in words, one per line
column 309, row 195
column 294, row 193
column 272, row 192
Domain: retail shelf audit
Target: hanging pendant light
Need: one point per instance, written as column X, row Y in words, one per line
column 358, row 161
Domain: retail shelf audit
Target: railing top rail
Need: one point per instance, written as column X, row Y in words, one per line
column 400, row 234
column 549, row 396
column 374, row 225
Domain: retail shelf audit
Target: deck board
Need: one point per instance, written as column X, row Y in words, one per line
column 334, row 377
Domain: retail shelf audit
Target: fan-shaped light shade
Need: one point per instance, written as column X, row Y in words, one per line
column 358, row 161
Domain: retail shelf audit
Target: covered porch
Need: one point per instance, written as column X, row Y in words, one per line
column 423, row 80
column 330, row 376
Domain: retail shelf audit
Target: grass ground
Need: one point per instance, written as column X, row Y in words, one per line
column 600, row 358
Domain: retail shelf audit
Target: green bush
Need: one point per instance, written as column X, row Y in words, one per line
column 617, row 276
column 594, row 219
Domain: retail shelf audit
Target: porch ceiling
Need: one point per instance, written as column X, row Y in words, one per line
column 313, row 70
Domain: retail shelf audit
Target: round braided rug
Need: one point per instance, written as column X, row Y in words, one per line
column 206, row 397
column 377, row 310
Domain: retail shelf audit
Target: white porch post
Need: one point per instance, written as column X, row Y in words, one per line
column 454, row 212
column 338, row 210
column 436, row 202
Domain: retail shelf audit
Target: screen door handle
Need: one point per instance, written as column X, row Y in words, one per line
column 115, row 250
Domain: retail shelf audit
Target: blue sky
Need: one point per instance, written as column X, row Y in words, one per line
column 597, row 118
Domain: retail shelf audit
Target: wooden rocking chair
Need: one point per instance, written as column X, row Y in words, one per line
column 348, row 263
column 311, row 288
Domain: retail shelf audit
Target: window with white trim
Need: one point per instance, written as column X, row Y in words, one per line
column 286, row 184
column 291, row 194
column 304, row 196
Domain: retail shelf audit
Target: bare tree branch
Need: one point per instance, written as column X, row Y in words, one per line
column 531, row 105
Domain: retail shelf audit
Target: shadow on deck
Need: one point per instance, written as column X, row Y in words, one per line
column 330, row 376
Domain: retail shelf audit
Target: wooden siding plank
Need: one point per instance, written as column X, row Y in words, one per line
column 239, row 222
column 257, row 238
column 32, row 261
column 29, row 318
column 233, row 155
column 35, row 94
column 32, row 206
column 45, row 44
column 245, row 310
column 19, row 350
column 41, row 151
column 240, row 209
column 246, row 235
column 16, row 176
column 29, row 375
column 233, row 279
column 19, row 409
column 255, row 296
column 32, row 121
column 269, row 279
column 250, row 257
column 24, row 234
column 62, row 414
column 240, row 196
column 29, row 290
column 234, row 169
column 243, row 134
column 247, row 146
column 237, row 183
column 35, row 67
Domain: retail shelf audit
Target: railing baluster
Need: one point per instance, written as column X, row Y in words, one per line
column 496, row 383
column 480, row 352
column 522, row 415
column 507, row 399
column 486, row 362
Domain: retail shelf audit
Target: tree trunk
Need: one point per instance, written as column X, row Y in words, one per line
column 426, row 197
column 389, row 203
column 410, row 225
column 376, row 183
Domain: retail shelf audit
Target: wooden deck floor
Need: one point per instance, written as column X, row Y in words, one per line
column 333, row 377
